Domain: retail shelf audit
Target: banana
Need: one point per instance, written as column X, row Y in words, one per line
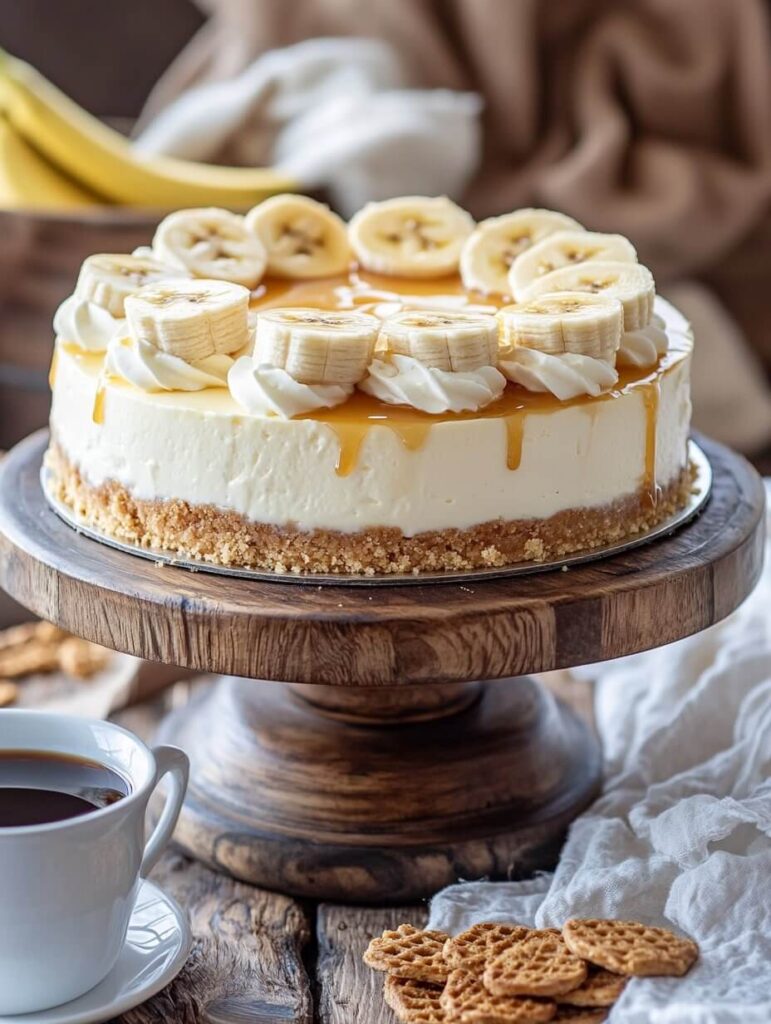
column 102, row 161
column 315, row 346
column 29, row 182
column 211, row 243
column 588, row 325
column 490, row 250
column 450, row 341
column 631, row 283
column 413, row 236
column 301, row 236
column 190, row 319
column 563, row 249
column 107, row 279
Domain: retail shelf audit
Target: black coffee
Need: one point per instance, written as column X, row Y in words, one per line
column 37, row 787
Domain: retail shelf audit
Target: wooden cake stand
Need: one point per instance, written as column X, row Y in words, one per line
column 379, row 771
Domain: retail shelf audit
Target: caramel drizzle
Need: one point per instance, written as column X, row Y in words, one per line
column 352, row 420
column 54, row 367
column 97, row 413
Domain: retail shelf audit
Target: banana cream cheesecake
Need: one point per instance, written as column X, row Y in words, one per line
column 407, row 392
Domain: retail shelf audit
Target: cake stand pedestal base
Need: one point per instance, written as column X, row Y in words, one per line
column 373, row 793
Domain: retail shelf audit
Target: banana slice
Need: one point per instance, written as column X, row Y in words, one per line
column 107, row 279
column 490, row 250
column 631, row 283
column 315, row 346
column 211, row 243
column 562, row 249
column 457, row 342
column 589, row 325
column 191, row 319
column 302, row 237
column 413, row 236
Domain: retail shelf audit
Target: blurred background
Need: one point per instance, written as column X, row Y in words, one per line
column 650, row 117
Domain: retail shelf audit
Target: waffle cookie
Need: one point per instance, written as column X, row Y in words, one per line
column 409, row 952
column 538, row 965
column 628, row 947
column 466, row 1000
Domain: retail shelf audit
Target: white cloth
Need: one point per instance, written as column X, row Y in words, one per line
column 333, row 114
column 681, row 835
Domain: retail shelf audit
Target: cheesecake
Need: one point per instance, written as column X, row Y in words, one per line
column 409, row 392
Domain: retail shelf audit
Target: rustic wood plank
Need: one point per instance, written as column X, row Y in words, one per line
column 348, row 991
column 246, row 963
column 396, row 635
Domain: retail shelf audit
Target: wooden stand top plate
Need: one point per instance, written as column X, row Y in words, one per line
column 352, row 636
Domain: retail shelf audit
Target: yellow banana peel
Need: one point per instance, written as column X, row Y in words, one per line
column 29, row 182
column 101, row 160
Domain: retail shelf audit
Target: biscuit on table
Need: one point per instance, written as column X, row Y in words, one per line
column 629, row 947
column 476, row 947
column 601, row 988
column 539, row 965
column 413, row 1001
column 467, row 1001
column 409, row 952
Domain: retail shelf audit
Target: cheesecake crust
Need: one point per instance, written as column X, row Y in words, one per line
column 222, row 537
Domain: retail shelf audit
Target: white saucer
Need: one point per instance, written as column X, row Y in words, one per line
column 156, row 947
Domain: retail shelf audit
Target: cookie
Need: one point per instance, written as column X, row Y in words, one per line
column 81, row 659
column 628, row 947
column 466, row 1001
column 409, row 953
column 479, row 945
column 413, row 1001
column 8, row 693
column 601, row 988
column 581, row 1014
column 539, row 965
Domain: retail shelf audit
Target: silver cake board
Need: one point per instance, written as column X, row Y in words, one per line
column 696, row 502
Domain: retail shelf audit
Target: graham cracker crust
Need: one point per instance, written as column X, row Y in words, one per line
column 227, row 538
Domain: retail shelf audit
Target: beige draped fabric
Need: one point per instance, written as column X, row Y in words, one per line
column 649, row 117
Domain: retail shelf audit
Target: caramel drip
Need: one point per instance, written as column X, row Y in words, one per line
column 515, row 433
column 352, row 420
column 54, row 368
column 651, row 392
column 97, row 413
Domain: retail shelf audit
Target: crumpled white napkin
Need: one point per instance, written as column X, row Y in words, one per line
column 333, row 114
column 682, row 833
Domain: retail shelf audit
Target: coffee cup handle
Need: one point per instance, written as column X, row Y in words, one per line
column 173, row 762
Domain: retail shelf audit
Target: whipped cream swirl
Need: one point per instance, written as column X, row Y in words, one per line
column 149, row 369
column 405, row 381
column 643, row 347
column 86, row 325
column 566, row 375
column 270, row 391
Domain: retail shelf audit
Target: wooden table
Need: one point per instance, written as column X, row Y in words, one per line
column 266, row 958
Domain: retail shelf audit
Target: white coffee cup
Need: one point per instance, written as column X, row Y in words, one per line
column 67, row 888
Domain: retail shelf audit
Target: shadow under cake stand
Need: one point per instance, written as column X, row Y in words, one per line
column 381, row 769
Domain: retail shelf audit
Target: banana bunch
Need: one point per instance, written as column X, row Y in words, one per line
column 585, row 324
column 55, row 155
column 563, row 249
column 190, row 319
column 454, row 342
column 315, row 346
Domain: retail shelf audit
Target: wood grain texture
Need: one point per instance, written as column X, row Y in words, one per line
column 392, row 635
column 349, row 991
column 307, row 798
column 246, row 962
